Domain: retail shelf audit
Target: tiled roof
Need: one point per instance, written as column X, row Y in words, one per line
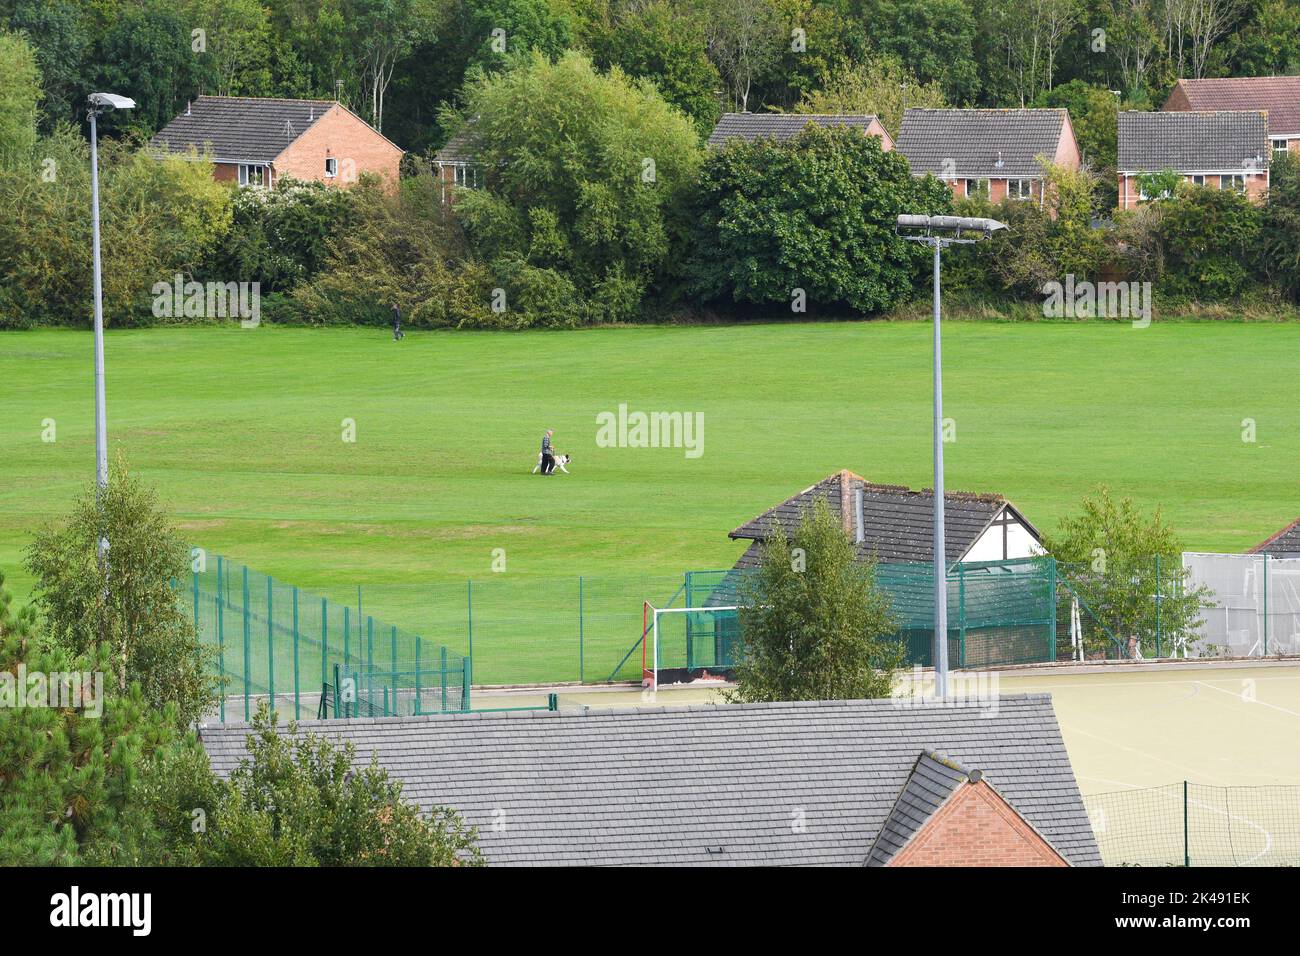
column 752, row 126
column 240, row 129
column 898, row 522
column 1223, row 140
column 456, row 149
column 707, row 784
column 1286, row 541
column 932, row 781
column 1278, row 96
column 969, row 143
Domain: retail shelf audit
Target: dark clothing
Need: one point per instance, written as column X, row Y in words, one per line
column 397, row 324
column 546, row 444
column 548, row 463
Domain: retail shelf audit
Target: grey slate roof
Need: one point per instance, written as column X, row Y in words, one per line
column 932, row 781
column 781, row 126
column 898, row 521
column 1278, row 96
column 1187, row 141
column 968, row 143
column 456, row 150
column 240, row 129
column 707, row 784
column 1284, row 542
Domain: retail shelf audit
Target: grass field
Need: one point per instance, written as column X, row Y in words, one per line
column 242, row 432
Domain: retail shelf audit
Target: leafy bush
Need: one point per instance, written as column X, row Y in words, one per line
column 583, row 172
column 1209, row 237
column 814, row 213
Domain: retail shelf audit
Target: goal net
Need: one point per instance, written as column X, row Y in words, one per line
column 683, row 644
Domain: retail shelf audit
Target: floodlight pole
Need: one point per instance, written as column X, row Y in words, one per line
column 938, row 232
column 101, row 415
column 940, row 552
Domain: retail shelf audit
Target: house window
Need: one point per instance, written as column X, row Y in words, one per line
column 1198, row 180
column 1280, row 145
column 1236, row 181
column 331, row 167
column 1020, row 189
column 250, row 175
column 466, row 176
column 976, row 187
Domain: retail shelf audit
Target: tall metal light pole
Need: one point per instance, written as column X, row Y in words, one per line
column 100, row 103
column 938, row 232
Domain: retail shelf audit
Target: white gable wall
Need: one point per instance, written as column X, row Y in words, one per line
column 1020, row 543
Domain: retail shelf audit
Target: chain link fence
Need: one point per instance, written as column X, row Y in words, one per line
column 1189, row 824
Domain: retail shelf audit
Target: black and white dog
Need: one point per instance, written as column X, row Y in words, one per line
column 560, row 462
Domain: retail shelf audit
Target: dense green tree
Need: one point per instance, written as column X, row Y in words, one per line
column 60, row 31
column 1279, row 235
column 1268, row 44
column 1094, row 114
column 882, row 86
column 813, row 216
column 1127, row 569
column 583, row 173
column 297, row 799
column 147, row 54
column 934, row 39
column 660, row 44
column 1209, row 236
column 131, row 609
column 813, row 623
column 18, row 97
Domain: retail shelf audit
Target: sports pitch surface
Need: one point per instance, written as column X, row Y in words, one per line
column 1125, row 728
column 241, row 430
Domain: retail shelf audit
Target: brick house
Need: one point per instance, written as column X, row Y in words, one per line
column 457, row 165
column 1276, row 96
column 995, row 153
column 255, row 141
column 1224, row 149
column 784, row 126
column 874, row 782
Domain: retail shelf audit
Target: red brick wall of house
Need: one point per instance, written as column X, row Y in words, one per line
column 225, row 172
column 976, row 827
column 339, row 135
column 1130, row 193
column 877, row 129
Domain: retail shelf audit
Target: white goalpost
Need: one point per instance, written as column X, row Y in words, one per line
column 652, row 658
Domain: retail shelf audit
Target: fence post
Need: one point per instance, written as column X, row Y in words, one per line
column 347, row 637
column 1187, row 851
column 221, row 640
column 297, row 704
column 324, row 641
column 469, row 611
column 417, row 674
column 195, row 576
column 464, row 683
column 581, row 670
column 270, row 641
column 247, row 635
column 444, row 679
column 1157, row 605
column 1051, row 578
column 961, row 616
column 392, row 659
column 370, row 658
column 1266, row 573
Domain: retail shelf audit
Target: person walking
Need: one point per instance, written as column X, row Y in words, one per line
column 398, row 334
column 548, row 453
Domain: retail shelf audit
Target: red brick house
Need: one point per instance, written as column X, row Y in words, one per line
column 995, row 153
column 947, row 815
column 1224, row 149
column 255, row 141
column 456, row 165
column 1276, row 96
column 784, row 126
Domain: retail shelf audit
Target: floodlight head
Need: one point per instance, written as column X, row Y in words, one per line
column 954, row 228
column 110, row 101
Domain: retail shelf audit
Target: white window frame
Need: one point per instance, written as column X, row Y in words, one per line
column 246, row 177
column 331, row 167
column 1198, row 179
column 975, row 187
column 1024, row 189
column 1233, row 179
column 1285, row 147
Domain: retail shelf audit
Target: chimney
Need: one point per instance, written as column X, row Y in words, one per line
column 187, row 107
column 860, row 534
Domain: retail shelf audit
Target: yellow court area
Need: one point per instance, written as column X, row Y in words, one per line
column 1126, row 726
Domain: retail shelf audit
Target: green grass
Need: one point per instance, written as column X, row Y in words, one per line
column 240, row 429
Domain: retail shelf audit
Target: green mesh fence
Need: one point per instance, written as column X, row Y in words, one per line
column 279, row 644
column 999, row 612
column 1188, row 824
